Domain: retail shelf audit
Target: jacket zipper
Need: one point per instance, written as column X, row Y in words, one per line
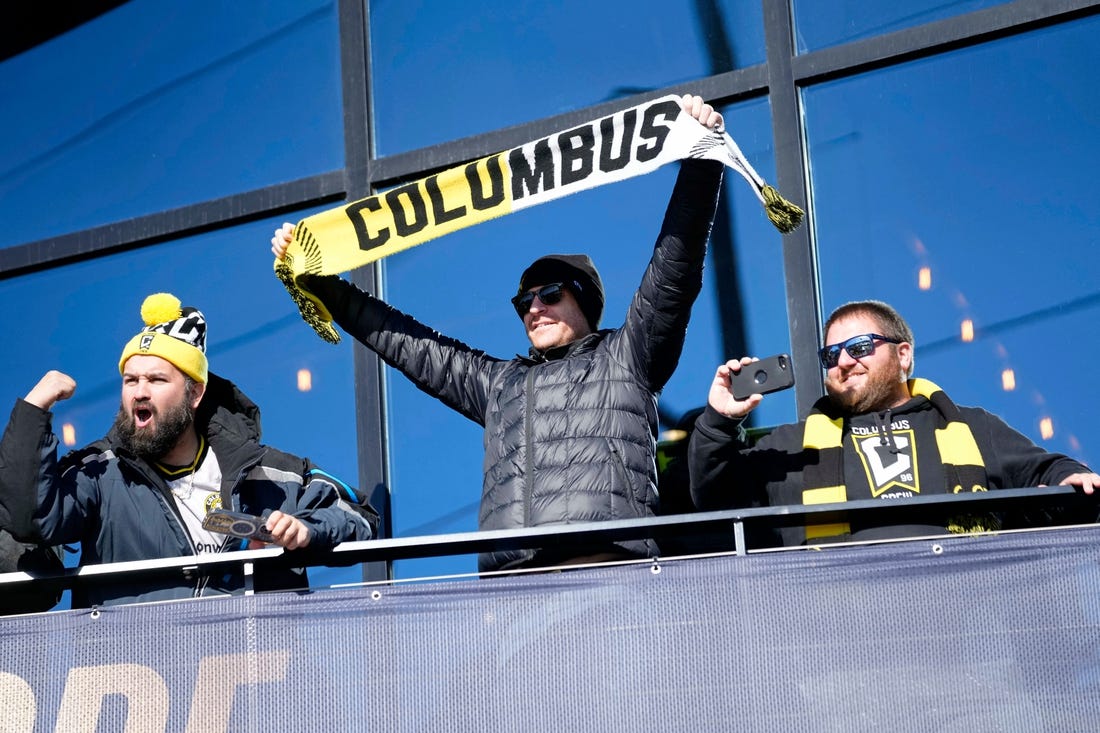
column 228, row 538
column 528, row 477
column 624, row 475
column 164, row 494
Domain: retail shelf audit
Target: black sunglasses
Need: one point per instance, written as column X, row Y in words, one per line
column 857, row 348
column 548, row 294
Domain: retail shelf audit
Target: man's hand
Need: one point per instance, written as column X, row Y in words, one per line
column 51, row 389
column 281, row 240
column 287, row 532
column 1087, row 482
column 700, row 110
column 721, row 396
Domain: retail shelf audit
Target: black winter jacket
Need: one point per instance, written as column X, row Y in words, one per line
column 570, row 434
column 726, row 473
column 119, row 509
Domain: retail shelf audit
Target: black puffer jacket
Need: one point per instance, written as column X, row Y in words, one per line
column 570, row 434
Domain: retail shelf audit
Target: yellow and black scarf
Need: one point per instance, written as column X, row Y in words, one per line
column 622, row 145
column 964, row 468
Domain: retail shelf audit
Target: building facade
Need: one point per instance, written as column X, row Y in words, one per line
column 944, row 153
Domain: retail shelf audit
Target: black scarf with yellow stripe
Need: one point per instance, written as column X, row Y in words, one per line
column 963, row 466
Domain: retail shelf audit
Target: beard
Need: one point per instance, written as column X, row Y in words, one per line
column 878, row 391
column 156, row 440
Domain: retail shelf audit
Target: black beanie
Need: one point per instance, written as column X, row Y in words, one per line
column 577, row 273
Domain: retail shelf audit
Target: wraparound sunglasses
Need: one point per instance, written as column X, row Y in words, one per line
column 857, row 348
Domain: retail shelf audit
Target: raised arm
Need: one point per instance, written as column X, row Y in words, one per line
column 31, row 478
column 443, row 367
column 653, row 335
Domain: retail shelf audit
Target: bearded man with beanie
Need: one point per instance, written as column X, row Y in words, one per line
column 185, row 442
column 877, row 434
column 570, row 430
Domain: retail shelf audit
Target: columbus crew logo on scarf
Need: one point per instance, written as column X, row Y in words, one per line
column 963, row 465
column 626, row 144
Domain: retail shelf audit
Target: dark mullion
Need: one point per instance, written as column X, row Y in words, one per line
column 144, row 231
column 370, row 413
column 938, row 37
column 799, row 257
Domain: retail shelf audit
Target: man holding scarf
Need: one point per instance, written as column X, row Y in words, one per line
column 570, row 430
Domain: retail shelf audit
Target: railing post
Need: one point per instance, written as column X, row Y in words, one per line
column 739, row 536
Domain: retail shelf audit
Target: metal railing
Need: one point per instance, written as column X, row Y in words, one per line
column 727, row 526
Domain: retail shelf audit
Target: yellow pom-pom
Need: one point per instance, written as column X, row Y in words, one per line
column 160, row 308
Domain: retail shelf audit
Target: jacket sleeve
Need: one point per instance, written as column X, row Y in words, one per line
column 652, row 336
column 41, row 499
column 443, row 367
column 334, row 511
column 1013, row 461
column 715, row 458
column 19, row 464
column 727, row 472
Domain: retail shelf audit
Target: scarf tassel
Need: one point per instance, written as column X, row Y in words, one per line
column 785, row 215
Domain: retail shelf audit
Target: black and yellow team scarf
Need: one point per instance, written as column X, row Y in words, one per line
column 964, row 469
column 628, row 143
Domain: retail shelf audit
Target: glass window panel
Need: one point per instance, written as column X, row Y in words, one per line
column 979, row 166
column 821, row 24
column 156, row 105
column 77, row 318
column 461, row 284
column 755, row 276
column 485, row 65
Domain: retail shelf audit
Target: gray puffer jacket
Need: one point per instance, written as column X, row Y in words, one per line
column 570, row 434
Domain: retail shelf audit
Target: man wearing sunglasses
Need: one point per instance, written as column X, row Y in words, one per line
column 877, row 434
column 570, row 430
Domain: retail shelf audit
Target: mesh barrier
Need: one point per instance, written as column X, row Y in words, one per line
column 994, row 633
